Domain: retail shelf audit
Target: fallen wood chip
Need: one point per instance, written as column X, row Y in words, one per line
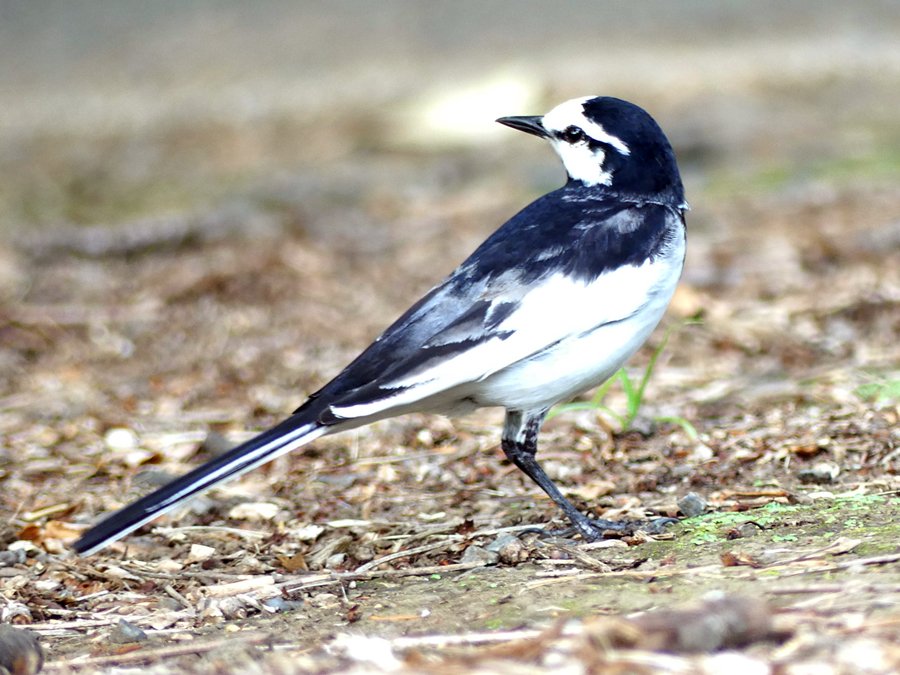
column 410, row 572
column 253, row 584
column 427, row 548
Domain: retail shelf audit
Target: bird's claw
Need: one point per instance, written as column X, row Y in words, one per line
column 597, row 529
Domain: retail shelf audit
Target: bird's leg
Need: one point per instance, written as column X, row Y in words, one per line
column 519, row 443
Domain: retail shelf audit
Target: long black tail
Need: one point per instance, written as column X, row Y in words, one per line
column 295, row 431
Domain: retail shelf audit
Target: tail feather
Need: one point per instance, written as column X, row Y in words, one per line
column 280, row 439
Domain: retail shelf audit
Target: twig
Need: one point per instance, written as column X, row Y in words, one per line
column 873, row 560
column 260, row 583
column 808, row 590
column 584, row 558
column 815, row 589
column 144, row 655
column 718, row 569
column 410, row 572
column 340, row 577
column 838, row 546
column 169, row 532
column 307, row 581
column 425, row 548
column 414, row 642
column 80, row 625
column 178, row 597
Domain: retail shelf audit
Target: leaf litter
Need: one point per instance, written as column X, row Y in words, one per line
column 373, row 551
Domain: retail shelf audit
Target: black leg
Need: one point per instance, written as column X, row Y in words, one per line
column 519, row 443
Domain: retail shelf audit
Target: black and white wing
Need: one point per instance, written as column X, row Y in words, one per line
column 562, row 267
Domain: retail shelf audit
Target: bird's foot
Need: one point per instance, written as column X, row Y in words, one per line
column 597, row 529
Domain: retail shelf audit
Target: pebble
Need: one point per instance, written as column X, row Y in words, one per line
column 335, row 560
column 216, row 444
column 692, row 505
column 125, row 632
column 744, row 530
column 14, row 557
column 120, row 438
column 478, row 554
column 510, row 549
column 819, row 474
column 254, row 511
column 280, row 604
column 199, row 553
column 20, row 651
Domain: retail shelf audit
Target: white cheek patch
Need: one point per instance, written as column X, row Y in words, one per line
column 582, row 163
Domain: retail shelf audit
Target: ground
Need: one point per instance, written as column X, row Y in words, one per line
column 175, row 274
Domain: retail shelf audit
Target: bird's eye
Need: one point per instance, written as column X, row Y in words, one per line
column 573, row 135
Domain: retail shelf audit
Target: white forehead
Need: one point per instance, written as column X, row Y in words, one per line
column 571, row 113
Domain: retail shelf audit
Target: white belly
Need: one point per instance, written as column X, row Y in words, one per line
column 575, row 364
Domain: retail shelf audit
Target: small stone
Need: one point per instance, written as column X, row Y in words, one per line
column 643, row 425
column 307, row 532
column 20, row 651
column 120, row 438
column 135, row 457
column 152, row 477
column 324, row 600
column 701, row 453
column 335, row 560
column 225, row 609
column 14, row 557
column 749, row 529
column 216, row 444
column 24, row 545
column 15, row 612
column 477, row 554
column 125, row 632
column 254, row 511
column 280, row 604
column 744, row 530
column 510, row 549
column 199, row 553
column 821, row 473
column 692, row 505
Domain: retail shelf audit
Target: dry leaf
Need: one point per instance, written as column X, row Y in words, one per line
column 739, row 558
column 294, row 563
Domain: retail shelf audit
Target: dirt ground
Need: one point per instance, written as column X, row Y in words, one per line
column 179, row 269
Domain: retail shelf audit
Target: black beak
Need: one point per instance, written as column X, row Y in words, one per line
column 530, row 125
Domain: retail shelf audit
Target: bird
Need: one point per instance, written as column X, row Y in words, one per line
column 550, row 305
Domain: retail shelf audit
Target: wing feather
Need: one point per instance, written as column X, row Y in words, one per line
column 522, row 291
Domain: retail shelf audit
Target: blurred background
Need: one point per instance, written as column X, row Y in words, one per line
column 113, row 110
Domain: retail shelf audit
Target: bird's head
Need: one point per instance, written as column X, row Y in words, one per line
column 605, row 141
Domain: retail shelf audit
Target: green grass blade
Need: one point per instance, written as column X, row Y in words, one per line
column 688, row 428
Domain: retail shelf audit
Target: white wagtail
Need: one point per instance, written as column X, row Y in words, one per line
column 551, row 304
